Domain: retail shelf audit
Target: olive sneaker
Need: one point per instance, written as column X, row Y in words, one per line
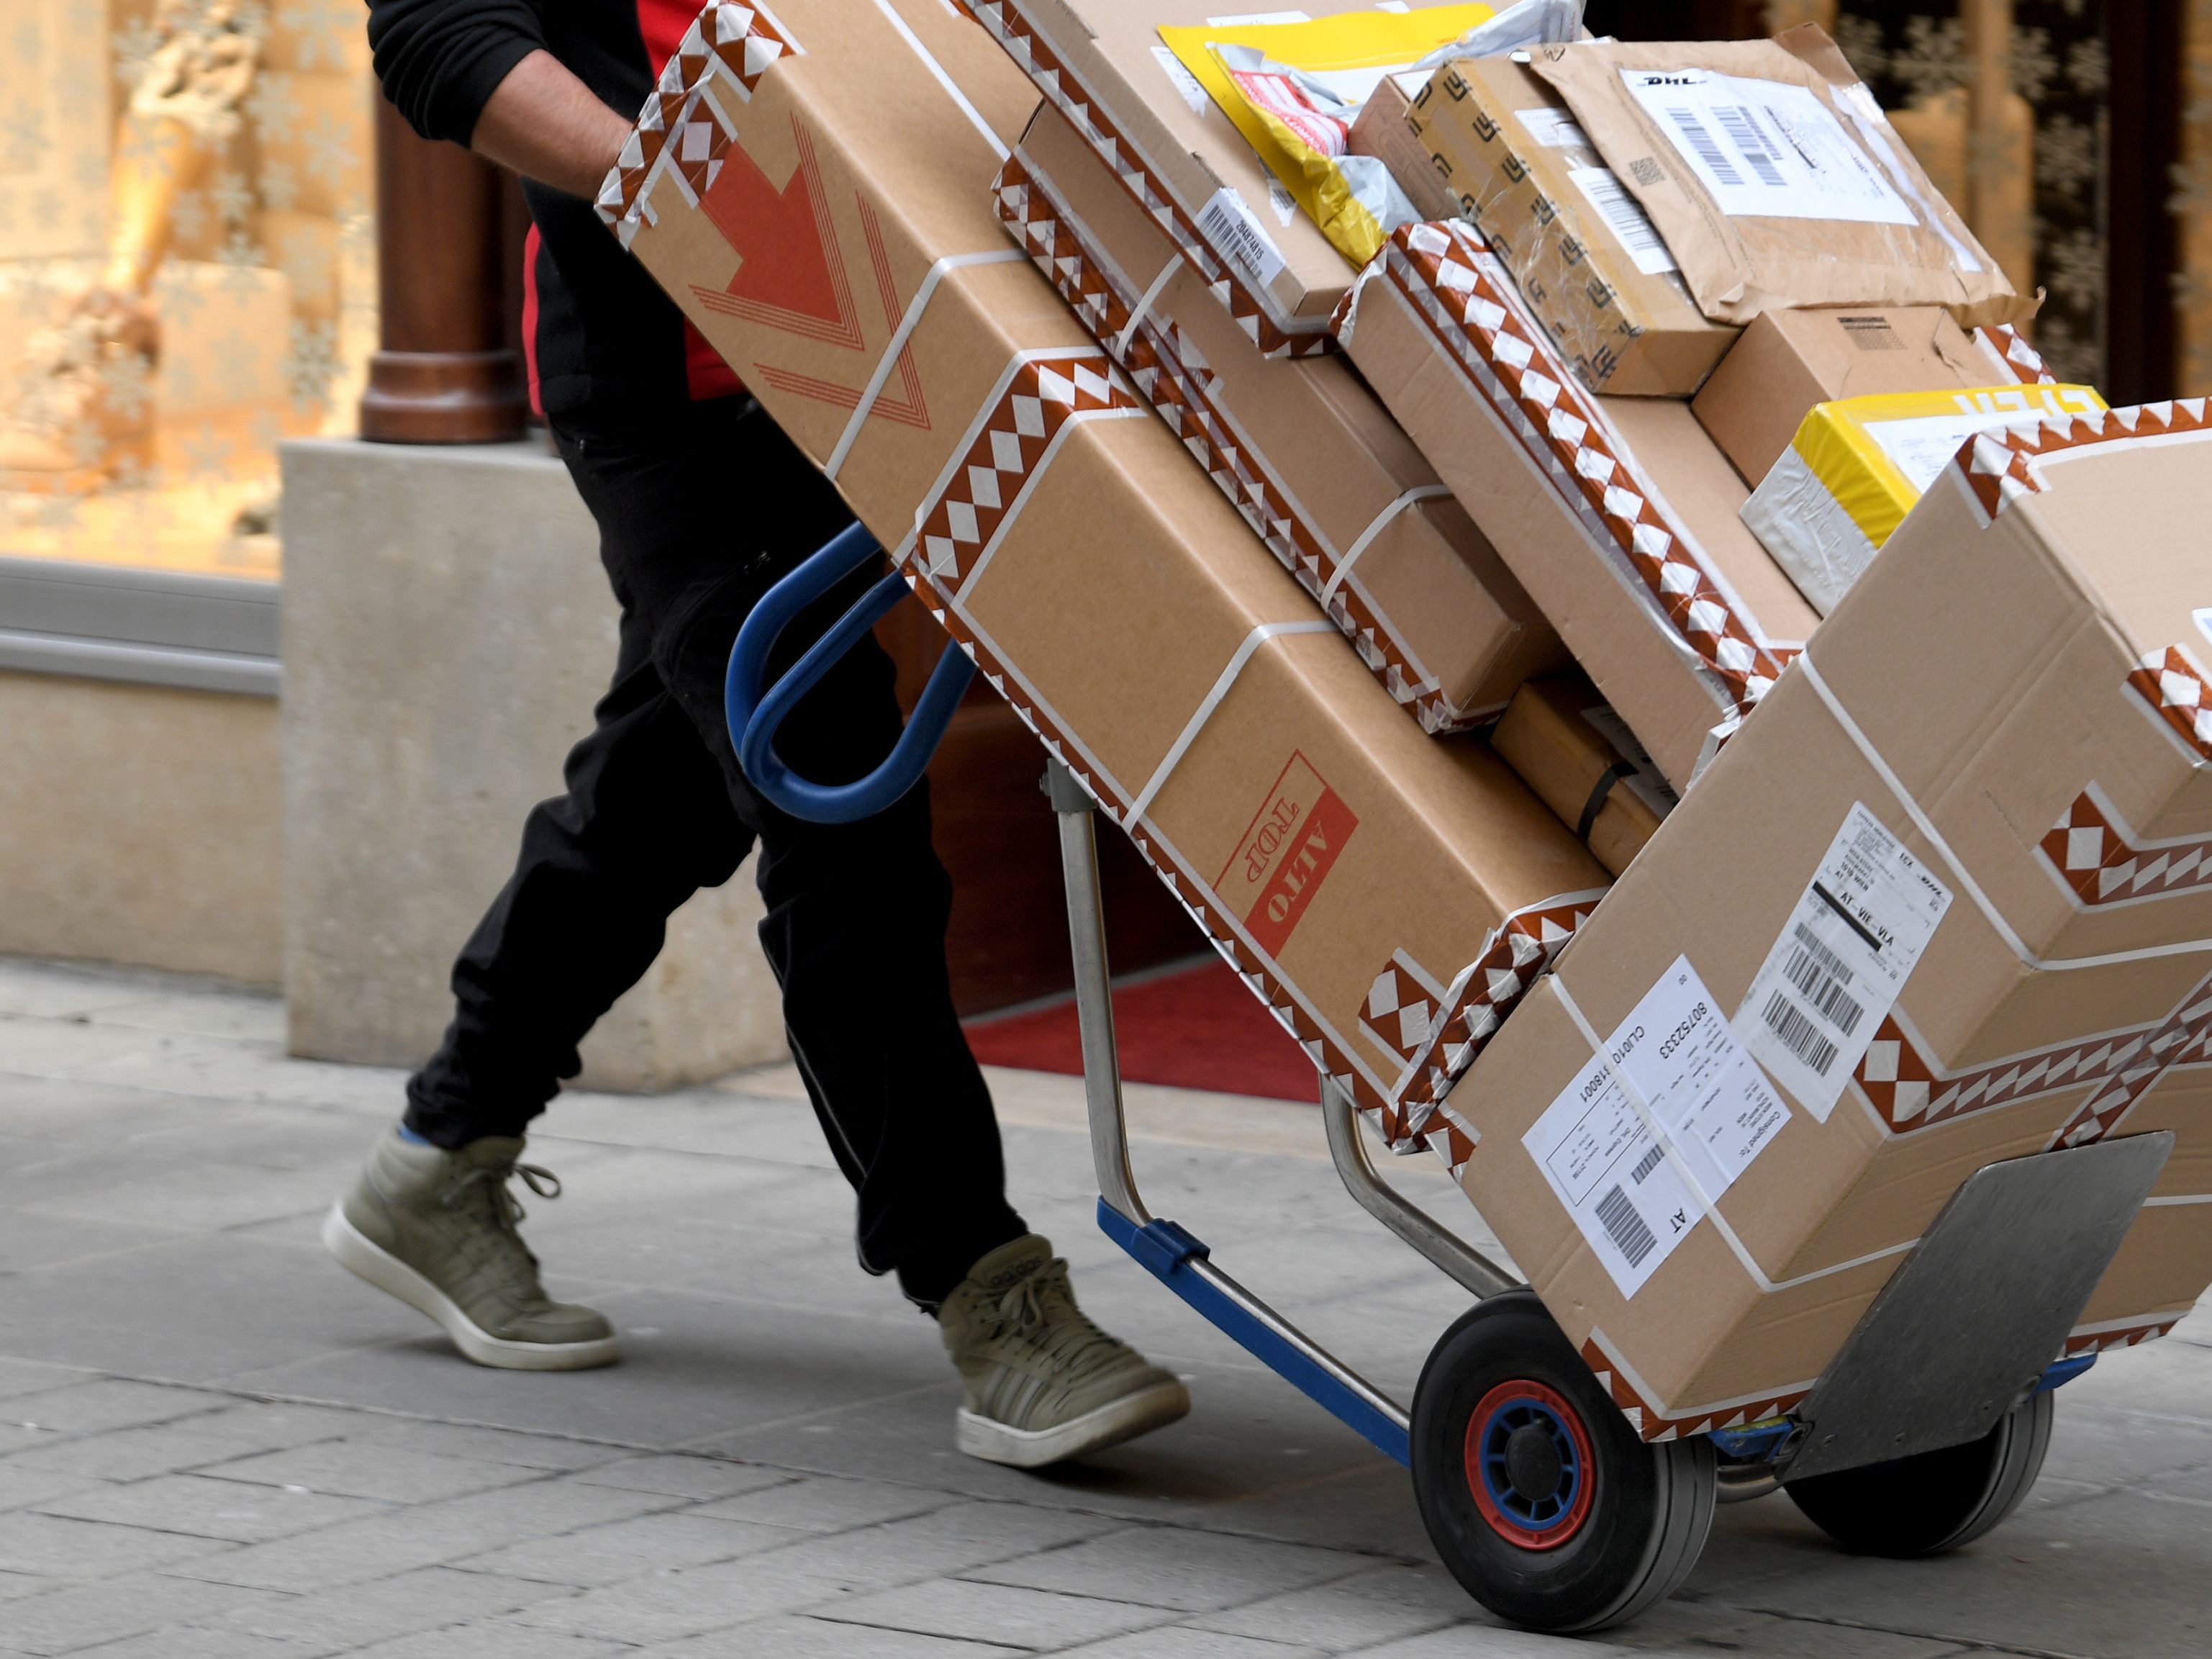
column 1044, row 1383
column 438, row 1229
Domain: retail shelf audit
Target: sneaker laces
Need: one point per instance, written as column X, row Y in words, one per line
column 1039, row 1311
column 483, row 1190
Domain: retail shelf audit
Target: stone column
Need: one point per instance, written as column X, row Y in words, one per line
column 445, row 373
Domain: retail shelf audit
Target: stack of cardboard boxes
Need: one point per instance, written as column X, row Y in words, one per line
column 1942, row 890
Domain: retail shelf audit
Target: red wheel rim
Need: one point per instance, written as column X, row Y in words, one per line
column 1517, row 1413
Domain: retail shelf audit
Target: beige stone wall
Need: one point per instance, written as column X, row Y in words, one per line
column 447, row 629
column 141, row 824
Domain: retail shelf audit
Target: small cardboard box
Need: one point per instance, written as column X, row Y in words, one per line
column 1583, row 763
column 1945, row 899
column 814, row 190
column 1788, row 360
column 1619, row 514
column 1591, row 266
column 1101, row 64
column 1856, row 467
column 1317, row 467
column 1775, row 177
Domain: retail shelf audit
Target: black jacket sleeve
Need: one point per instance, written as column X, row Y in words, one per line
column 440, row 60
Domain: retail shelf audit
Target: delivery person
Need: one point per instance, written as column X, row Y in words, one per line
column 702, row 504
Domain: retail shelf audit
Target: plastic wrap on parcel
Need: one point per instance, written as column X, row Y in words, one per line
column 1857, row 465
column 1590, row 264
column 1775, row 177
column 813, row 188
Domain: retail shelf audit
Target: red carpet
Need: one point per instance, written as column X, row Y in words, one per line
column 1195, row 1028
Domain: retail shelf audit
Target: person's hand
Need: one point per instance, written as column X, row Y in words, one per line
column 547, row 124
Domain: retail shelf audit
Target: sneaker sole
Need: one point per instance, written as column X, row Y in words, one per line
column 1109, row 1425
column 365, row 1259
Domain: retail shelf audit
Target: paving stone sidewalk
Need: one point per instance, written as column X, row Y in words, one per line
column 214, row 1443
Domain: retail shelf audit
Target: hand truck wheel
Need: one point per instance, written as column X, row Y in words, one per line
column 1546, row 1505
column 1935, row 1501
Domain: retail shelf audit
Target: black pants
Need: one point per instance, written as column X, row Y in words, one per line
column 698, row 515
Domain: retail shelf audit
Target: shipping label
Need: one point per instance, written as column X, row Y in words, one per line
column 1766, row 147
column 1286, row 852
column 1554, row 128
column 1623, row 215
column 1840, row 961
column 1656, row 1127
column 1922, row 446
column 1234, row 231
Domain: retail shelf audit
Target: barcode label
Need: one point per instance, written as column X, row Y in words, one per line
column 1625, row 215
column 1708, row 149
column 1645, row 1164
column 1815, row 971
column 1835, row 969
column 1765, row 147
column 1625, row 1228
column 1799, row 1035
column 1742, row 128
column 1231, row 230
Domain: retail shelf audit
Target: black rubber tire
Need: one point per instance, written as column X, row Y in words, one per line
column 1649, row 1506
column 1936, row 1501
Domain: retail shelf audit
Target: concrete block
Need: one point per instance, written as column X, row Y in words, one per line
column 447, row 629
column 143, row 826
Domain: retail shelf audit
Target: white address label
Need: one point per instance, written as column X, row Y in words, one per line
column 1766, row 147
column 1840, row 961
column 1235, row 231
column 1636, row 1195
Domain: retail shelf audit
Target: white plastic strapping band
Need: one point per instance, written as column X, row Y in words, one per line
column 1143, row 308
column 1253, row 641
column 1419, row 493
column 929, row 62
column 900, row 336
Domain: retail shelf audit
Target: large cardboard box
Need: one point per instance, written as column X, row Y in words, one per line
column 1591, row 266
column 1775, row 177
column 814, row 190
column 1316, row 466
column 1619, row 514
column 1101, row 64
column 1947, row 899
column 1789, row 361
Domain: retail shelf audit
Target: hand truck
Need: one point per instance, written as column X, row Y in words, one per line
column 1926, row 1432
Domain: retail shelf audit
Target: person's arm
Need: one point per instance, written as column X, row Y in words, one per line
column 477, row 72
column 548, row 125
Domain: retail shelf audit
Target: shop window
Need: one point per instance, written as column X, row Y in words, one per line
column 188, row 269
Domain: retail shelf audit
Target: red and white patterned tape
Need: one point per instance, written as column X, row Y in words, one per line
column 1453, row 284
column 1152, row 354
column 1908, row 1090
column 1272, row 329
column 2101, row 862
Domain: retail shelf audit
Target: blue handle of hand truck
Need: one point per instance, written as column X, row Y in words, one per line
column 1166, row 1250
column 754, row 713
